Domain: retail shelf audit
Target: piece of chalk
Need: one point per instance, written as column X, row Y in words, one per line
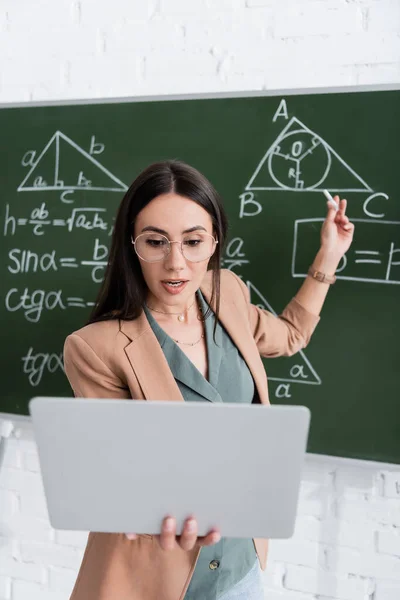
column 330, row 199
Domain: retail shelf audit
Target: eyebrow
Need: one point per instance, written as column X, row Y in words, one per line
column 163, row 232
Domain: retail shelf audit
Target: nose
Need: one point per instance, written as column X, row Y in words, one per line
column 175, row 261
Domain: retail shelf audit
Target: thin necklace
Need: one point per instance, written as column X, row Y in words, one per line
column 181, row 315
column 188, row 343
column 197, row 341
column 181, row 318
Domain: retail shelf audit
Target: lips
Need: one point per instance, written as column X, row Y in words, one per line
column 174, row 280
column 174, row 286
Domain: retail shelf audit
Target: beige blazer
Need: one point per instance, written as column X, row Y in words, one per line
column 123, row 359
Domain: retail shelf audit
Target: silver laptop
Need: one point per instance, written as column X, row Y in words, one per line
column 123, row 465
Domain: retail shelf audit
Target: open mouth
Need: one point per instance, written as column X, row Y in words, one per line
column 174, row 286
column 175, row 283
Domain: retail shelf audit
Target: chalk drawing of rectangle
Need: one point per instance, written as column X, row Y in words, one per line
column 338, row 275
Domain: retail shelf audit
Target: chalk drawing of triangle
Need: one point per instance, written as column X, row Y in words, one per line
column 311, row 376
column 299, row 160
column 63, row 165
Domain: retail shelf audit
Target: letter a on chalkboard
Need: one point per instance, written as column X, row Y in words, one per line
column 295, row 369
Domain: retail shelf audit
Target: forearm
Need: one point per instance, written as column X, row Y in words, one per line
column 312, row 293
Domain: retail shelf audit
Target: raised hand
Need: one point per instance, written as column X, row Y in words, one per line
column 337, row 231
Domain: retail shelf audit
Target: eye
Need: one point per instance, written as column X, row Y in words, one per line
column 156, row 242
column 192, row 242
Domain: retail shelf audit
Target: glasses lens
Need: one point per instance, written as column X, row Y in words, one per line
column 151, row 246
column 198, row 246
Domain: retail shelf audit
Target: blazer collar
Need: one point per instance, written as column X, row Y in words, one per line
column 147, row 357
column 181, row 366
column 238, row 326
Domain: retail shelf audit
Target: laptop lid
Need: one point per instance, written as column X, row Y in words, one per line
column 123, row 465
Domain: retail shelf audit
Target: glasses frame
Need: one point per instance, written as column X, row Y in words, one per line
column 168, row 251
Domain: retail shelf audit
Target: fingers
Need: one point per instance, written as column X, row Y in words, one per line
column 331, row 214
column 188, row 538
column 342, row 204
column 341, row 218
column 349, row 228
column 168, row 534
column 211, row 538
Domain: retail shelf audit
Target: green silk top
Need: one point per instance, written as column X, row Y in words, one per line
column 220, row 566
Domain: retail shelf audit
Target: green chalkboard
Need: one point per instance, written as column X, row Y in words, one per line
column 64, row 169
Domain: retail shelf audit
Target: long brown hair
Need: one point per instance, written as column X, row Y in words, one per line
column 123, row 291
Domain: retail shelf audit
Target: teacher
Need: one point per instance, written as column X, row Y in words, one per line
column 170, row 324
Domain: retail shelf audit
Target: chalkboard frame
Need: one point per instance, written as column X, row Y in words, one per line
column 384, row 87
column 157, row 98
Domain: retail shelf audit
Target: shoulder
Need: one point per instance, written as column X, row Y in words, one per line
column 108, row 339
column 103, row 339
column 230, row 280
column 230, row 283
column 233, row 291
column 102, row 330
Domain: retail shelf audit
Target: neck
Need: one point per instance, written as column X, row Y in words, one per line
column 172, row 310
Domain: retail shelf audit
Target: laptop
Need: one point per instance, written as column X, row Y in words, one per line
column 122, row 465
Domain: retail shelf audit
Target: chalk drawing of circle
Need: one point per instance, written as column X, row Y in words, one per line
column 300, row 156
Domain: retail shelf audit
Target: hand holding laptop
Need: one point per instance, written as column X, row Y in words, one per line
column 187, row 540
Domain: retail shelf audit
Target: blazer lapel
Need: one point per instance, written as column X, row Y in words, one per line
column 235, row 323
column 151, row 367
column 214, row 350
column 148, row 361
column 181, row 366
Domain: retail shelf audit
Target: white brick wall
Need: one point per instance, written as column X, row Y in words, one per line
column 346, row 545
column 347, row 540
column 93, row 48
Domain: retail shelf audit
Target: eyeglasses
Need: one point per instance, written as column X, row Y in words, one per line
column 195, row 247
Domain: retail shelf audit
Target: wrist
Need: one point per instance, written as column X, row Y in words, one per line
column 326, row 262
column 320, row 276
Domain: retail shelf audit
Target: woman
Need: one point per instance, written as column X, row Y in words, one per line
column 169, row 324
